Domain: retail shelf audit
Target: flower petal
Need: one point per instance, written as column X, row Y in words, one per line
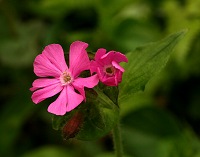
column 113, row 56
column 110, row 81
column 119, row 57
column 93, row 66
column 80, row 90
column 78, row 58
column 55, row 54
column 118, row 77
column 88, row 82
column 117, row 66
column 44, row 68
column 100, row 52
column 46, row 92
column 101, row 74
column 73, row 98
column 43, row 82
column 98, row 61
column 59, row 106
column 108, row 57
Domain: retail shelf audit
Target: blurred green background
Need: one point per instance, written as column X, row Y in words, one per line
column 163, row 121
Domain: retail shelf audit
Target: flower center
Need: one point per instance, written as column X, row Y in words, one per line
column 66, row 78
column 110, row 70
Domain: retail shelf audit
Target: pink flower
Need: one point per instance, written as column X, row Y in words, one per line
column 57, row 77
column 106, row 65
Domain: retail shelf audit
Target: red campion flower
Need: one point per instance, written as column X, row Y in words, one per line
column 106, row 65
column 57, row 77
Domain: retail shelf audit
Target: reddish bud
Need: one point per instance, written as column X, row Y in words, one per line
column 73, row 126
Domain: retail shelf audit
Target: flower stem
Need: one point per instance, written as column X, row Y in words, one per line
column 117, row 141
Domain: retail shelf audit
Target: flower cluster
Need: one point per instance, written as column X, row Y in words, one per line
column 56, row 77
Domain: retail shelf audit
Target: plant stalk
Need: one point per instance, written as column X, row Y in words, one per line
column 117, row 140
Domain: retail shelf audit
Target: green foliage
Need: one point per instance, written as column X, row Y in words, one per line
column 162, row 121
column 145, row 62
column 50, row 151
column 100, row 111
column 108, row 155
column 100, row 115
column 153, row 121
column 179, row 16
column 154, row 132
column 21, row 49
column 11, row 126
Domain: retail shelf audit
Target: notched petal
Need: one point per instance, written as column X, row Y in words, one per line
column 74, row 99
column 119, row 57
column 55, row 55
column 117, row 66
column 78, row 58
column 59, row 106
column 41, row 94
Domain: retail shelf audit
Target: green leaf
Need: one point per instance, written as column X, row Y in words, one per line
column 100, row 114
column 145, row 62
column 111, row 92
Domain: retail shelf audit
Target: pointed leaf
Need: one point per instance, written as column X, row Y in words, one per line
column 145, row 62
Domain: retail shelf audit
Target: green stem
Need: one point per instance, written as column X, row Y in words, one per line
column 117, row 141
